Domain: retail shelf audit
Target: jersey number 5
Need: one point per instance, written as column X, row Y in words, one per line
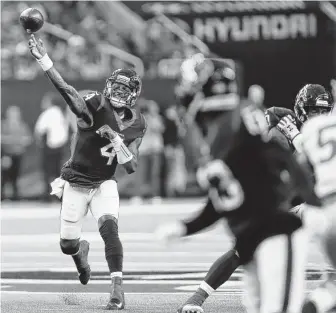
column 108, row 154
column 327, row 143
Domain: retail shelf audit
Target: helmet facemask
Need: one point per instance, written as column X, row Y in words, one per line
column 123, row 88
column 119, row 95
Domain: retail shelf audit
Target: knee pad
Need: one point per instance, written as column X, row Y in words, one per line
column 107, row 219
column 69, row 246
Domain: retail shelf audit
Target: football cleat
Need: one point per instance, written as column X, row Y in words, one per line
column 190, row 308
column 84, row 270
column 194, row 303
column 309, row 307
column 117, row 297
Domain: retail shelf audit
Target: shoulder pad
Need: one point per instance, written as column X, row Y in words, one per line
column 94, row 100
column 275, row 114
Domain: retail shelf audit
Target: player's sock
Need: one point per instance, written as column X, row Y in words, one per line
column 113, row 247
column 217, row 275
column 222, row 269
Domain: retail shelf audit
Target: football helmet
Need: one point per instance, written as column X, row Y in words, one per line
column 194, row 73
column 312, row 100
column 123, row 88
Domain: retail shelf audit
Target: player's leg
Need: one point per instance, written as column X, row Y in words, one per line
column 281, row 263
column 251, row 297
column 74, row 208
column 217, row 275
column 105, row 209
column 323, row 298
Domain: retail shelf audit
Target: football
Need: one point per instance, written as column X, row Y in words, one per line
column 31, row 20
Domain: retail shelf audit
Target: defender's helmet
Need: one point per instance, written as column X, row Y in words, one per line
column 312, row 100
column 194, row 73
column 199, row 72
column 123, row 88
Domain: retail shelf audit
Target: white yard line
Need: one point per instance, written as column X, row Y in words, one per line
column 107, row 282
column 9, row 213
column 85, row 294
column 95, row 236
column 151, row 254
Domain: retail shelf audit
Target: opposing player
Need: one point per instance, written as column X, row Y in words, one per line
column 248, row 180
column 207, row 89
column 285, row 125
column 319, row 148
column 304, row 134
column 318, row 138
column 109, row 132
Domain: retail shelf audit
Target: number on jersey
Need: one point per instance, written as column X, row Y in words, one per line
column 327, row 143
column 228, row 195
column 108, row 154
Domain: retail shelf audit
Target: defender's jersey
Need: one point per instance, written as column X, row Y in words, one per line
column 93, row 159
column 319, row 145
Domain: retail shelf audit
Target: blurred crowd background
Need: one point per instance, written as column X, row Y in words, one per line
column 277, row 46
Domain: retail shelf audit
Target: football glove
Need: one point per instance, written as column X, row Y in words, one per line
column 170, row 232
column 288, row 127
column 57, row 187
column 123, row 153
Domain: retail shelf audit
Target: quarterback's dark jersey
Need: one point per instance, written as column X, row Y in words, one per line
column 266, row 172
column 93, row 159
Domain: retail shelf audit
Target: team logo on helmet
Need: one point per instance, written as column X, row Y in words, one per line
column 312, row 100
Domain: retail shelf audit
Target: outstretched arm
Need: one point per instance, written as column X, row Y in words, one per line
column 70, row 94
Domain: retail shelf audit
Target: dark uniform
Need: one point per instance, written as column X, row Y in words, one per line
column 221, row 82
column 93, row 160
column 263, row 170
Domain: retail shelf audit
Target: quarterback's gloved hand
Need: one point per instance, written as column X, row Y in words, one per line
column 170, row 232
column 288, row 127
column 107, row 132
column 36, row 47
column 57, row 187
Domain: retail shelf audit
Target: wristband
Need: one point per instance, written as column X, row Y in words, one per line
column 124, row 155
column 45, row 62
column 297, row 142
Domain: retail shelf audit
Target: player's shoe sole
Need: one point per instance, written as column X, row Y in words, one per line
column 84, row 273
column 309, row 307
column 190, row 308
column 117, row 297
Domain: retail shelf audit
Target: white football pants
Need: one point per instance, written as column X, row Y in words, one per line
column 76, row 203
column 275, row 278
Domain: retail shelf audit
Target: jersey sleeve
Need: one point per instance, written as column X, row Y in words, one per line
column 94, row 100
column 204, row 219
